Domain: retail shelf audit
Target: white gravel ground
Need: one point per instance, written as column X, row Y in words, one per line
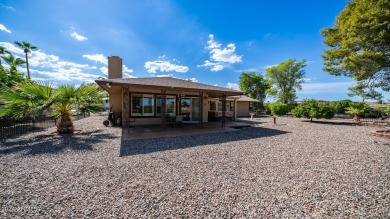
column 294, row 169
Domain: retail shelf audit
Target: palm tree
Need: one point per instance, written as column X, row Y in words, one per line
column 33, row 98
column 13, row 62
column 27, row 47
column 356, row 109
column 3, row 51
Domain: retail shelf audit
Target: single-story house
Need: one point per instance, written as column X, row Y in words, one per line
column 145, row 101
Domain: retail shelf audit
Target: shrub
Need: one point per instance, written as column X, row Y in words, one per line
column 326, row 111
column 357, row 109
column 310, row 109
column 340, row 105
column 267, row 108
column 291, row 106
column 279, row 109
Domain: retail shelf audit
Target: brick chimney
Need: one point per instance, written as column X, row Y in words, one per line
column 114, row 67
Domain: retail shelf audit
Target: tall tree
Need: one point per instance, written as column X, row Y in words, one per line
column 27, row 47
column 360, row 45
column 32, row 98
column 13, row 62
column 285, row 79
column 365, row 92
column 2, row 52
column 254, row 85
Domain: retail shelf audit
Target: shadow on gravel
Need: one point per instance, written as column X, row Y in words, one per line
column 331, row 123
column 51, row 144
column 145, row 146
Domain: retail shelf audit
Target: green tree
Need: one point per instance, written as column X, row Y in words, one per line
column 364, row 91
column 340, row 105
column 27, row 47
column 360, row 46
column 278, row 109
column 2, row 52
column 310, row 109
column 357, row 109
column 13, row 62
column 254, row 85
column 285, row 79
column 32, row 99
column 9, row 78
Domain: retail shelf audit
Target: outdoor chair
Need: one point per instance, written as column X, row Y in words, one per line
column 179, row 120
column 170, row 120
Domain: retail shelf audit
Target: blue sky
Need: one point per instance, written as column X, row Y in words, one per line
column 211, row 42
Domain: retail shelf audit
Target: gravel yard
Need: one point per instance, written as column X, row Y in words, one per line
column 293, row 169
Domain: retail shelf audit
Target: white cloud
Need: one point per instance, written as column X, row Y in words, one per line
column 77, row 36
column 128, row 76
column 3, row 28
column 213, row 66
column 219, row 57
column 126, row 69
column 167, row 75
column 100, row 58
column 269, row 66
column 326, row 87
column 191, row 79
column 51, row 68
column 97, row 58
column 104, row 70
column 7, row 7
column 164, row 66
column 233, row 86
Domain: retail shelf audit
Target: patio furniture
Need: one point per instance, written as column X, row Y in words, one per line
column 171, row 120
column 186, row 117
column 179, row 120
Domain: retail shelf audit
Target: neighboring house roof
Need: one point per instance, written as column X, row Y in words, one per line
column 168, row 83
column 244, row 98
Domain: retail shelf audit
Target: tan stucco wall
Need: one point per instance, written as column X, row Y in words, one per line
column 116, row 100
column 243, row 108
column 145, row 121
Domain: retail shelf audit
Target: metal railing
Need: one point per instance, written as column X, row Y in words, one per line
column 10, row 127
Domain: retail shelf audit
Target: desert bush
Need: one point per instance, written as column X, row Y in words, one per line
column 340, row 105
column 310, row 109
column 357, row 110
column 278, row 109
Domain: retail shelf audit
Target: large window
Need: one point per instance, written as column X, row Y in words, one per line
column 219, row 105
column 142, row 105
column 170, row 105
column 231, row 105
column 212, row 106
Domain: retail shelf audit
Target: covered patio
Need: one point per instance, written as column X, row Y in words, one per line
column 156, row 131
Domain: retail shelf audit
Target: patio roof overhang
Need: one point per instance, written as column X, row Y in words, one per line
column 215, row 92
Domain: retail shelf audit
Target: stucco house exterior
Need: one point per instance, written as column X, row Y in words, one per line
column 146, row 101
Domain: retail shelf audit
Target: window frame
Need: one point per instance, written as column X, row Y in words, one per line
column 142, row 104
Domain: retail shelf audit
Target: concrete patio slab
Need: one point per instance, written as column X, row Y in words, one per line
column 157, row 131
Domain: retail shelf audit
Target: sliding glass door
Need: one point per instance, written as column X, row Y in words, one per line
column 190, row 108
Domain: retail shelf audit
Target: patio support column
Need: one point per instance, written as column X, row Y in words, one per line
column 235, row 109
column 163, row 108
column 223, row 110
column 125, row 107
column 201, row 107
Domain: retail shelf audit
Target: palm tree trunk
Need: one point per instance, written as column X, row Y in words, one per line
column 28, row 70
column 65, row 125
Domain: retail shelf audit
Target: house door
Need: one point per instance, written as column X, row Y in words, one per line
column 190, row 108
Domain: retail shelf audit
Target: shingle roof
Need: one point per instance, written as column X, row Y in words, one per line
column 167, row 82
